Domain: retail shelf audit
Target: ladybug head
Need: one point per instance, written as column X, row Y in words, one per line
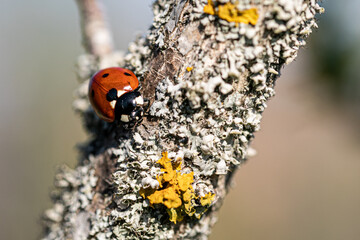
column 129, row 107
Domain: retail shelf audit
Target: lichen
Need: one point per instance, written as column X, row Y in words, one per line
column 175, row 191
column 207, row 199
column 231, row 13
column 189, row 69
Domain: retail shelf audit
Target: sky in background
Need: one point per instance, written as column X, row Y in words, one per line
column 303, row 184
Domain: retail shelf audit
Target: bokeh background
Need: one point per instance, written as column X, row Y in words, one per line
column 304, row 182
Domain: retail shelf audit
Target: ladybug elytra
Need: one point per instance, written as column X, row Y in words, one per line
column 114, row 95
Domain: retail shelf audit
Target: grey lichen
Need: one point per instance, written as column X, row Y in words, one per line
column 206, row 117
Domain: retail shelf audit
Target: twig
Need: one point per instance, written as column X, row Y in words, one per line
column 97, row 37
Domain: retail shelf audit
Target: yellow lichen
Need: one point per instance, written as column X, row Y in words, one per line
column 207, row 199
column 230, row 13
column 209, row 8
column 175, row 191
column 189, row 69
column 175, row 215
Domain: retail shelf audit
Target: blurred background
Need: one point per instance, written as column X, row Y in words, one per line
column 304, row 182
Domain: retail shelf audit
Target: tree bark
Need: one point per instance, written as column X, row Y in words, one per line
column 208, row 80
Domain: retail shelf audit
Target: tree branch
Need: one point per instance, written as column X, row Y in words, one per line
column 97, row 38
column 208, row 79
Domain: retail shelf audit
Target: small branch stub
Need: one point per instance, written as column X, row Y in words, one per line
column 97, row 38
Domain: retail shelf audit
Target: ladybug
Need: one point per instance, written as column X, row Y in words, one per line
column 114, row 95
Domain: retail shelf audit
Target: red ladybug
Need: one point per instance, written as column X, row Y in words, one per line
column 114, row 95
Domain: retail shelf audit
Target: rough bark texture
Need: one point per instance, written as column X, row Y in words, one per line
column 204, row 117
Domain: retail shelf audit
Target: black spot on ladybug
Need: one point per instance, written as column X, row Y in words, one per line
column 127, row 74
column 92, row 93
column 105, row 75
column 111, row 95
